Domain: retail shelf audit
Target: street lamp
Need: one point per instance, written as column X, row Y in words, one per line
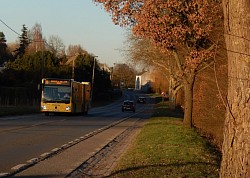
column 93, row 78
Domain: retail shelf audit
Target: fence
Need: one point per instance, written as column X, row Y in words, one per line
column 17, row 96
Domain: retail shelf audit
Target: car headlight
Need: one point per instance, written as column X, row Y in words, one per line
column 43, row 107
column 67, row 108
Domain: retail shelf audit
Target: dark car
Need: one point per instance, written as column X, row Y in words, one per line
column 141, row 99
column 128, row 106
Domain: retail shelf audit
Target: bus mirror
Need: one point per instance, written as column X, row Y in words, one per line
column 40, row 86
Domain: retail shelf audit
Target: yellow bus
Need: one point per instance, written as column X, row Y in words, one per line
column 65, row 96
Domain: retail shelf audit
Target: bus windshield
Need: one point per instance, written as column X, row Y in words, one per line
column 56, row 94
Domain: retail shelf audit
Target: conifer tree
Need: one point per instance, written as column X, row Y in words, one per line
column 3, row 49
column 24, row 43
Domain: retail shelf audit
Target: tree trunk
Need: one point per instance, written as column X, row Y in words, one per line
column 188, row 84
column 236, row 146
column 188, row 103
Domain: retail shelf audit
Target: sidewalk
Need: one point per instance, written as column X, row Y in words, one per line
column 103, row 163
column 67, row 161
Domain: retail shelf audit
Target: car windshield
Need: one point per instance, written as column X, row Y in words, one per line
column 128, row 103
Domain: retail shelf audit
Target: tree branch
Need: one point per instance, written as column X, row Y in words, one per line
column 161, row 65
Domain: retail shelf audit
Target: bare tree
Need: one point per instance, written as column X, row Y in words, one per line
column 75, row 50
column 56, row 46
column 143, row 51
column 236, row 145
column 36, row 38
column 123, row 76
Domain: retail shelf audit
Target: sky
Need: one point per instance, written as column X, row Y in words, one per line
column 76, row 22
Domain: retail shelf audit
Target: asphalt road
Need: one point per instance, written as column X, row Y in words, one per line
column 26, row 137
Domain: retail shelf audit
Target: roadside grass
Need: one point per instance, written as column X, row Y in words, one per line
column 21, row 110
column 165, row 148
column 17, row 110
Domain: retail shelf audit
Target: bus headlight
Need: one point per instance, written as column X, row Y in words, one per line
column 43, row 107
column 67, row 108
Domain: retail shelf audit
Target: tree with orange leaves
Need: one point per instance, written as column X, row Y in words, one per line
column 179, row 27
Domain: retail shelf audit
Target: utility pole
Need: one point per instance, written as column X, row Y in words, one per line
column 43, row 61
column 93, row 78
column 73, row 69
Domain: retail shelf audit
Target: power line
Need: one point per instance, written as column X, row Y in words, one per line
column 20, row 35
column 9, row 27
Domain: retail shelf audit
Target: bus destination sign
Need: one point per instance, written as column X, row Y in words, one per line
column 57, row 82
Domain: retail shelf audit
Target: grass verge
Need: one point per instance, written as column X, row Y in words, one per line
column 21, row 110
column 165, row 148
column 17, row 110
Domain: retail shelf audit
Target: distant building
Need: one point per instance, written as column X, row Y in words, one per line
column 105, row 67
column 71, row 60
column 138, row 82
column 144, row 81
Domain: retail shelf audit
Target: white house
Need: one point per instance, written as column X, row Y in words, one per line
column 144, row 81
